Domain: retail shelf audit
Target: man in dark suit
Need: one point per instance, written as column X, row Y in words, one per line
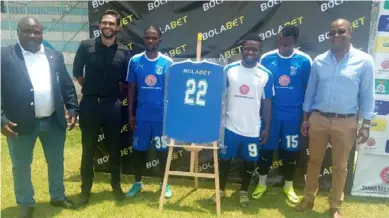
column 35, row 87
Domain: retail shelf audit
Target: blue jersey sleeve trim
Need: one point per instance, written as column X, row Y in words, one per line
column 305, row 56
column 131, row 73
column 269, row 91
column 167, row 58
column 266, row 55
column 231, row 65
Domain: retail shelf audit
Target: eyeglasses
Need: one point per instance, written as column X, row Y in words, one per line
column 105, row 23
column 338, row 31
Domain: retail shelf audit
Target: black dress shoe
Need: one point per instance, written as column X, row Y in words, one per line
column 118, row 193
column 65, row 203
column 26, row 212
column 84, row 198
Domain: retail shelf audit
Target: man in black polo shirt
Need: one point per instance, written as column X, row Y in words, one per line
column 105, row 61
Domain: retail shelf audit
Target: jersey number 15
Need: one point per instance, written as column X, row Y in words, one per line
column 195, row 88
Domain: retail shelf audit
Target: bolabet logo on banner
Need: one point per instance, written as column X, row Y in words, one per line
column 270, row 4
column 385, row 175
column 124, row 102
column 174, row 24
column 235, row 22
column 357, row 23
column 211, row 4
column 331, row 4
column 176, row 51
column 276, row 30
column 231, row 52
column 155, row 4
column 223, row 24
column 97, row 3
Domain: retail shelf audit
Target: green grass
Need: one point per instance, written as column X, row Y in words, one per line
column 184, row 203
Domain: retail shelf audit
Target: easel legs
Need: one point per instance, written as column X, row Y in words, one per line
column 196, row 165
column 217, row 183
column 194, row 168
column 165, row 179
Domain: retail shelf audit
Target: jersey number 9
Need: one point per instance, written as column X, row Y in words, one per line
column 193, row 88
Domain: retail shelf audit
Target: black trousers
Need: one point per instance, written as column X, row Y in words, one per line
column 95, row 114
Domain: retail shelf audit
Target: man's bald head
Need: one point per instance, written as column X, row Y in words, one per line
column 25, row 21
column 340, row 35
column 30, row 34
column 341, row 22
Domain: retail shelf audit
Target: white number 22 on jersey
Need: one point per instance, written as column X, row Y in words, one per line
column 191, row 87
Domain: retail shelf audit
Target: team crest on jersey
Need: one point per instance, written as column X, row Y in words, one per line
column 244, row 89
column 151, row 80
column 293, row 70
column 284, row 80
column 158, row 70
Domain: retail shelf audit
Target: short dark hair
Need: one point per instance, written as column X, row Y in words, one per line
column 290, row 31
column 156, row 28
column 113, row 13
column 253, row 37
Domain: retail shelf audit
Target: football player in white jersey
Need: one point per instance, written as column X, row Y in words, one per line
column 248, row 82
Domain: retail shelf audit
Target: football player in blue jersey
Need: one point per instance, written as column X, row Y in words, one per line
column 290, row 68
column 146, row 77
column 248, row 82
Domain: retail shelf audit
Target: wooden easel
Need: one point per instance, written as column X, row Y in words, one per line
column 194, row 159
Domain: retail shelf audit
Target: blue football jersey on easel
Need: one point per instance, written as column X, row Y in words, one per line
column 194, row 101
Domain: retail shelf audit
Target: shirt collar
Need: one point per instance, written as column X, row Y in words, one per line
column 41, row 50
column 350, row 51
column 286, row 57
column 99, row 41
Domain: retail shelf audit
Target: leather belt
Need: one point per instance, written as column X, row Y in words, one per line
column 334, row 115
column 42, row 118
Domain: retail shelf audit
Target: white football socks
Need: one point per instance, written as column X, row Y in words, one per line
column 288, row 184
column 262, row 180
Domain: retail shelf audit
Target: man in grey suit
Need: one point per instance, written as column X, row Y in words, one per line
column 35, row 87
